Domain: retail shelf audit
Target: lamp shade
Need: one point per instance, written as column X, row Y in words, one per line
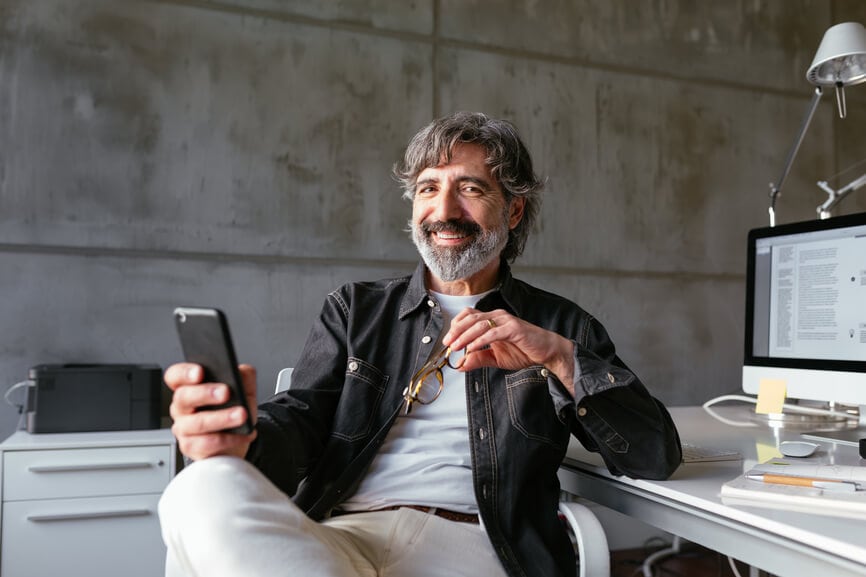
column 841, row 57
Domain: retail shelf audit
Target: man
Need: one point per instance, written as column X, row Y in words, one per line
column 449, row 472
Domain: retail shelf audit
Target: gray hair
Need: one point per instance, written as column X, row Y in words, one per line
column 507, row 158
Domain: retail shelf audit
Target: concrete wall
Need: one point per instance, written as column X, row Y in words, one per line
column 237, row 154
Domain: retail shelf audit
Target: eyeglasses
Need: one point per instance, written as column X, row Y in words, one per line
column 423, row 388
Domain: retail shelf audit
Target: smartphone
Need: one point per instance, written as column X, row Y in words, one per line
column 205, row 339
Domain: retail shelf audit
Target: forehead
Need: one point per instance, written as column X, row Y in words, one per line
column 465, row 157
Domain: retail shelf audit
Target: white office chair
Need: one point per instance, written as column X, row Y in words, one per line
column 592, row 550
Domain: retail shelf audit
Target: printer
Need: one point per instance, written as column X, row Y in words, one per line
column 94, row 397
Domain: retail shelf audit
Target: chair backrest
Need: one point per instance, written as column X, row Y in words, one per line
column 284, row 380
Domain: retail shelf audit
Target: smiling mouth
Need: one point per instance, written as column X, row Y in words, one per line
column 453, row 232
column 446, row 235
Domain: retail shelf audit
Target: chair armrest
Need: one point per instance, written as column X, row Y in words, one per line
column 592, row 548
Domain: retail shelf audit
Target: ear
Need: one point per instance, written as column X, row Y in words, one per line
column 516, row 212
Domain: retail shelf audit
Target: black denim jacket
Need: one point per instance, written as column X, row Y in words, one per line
column 316, row 440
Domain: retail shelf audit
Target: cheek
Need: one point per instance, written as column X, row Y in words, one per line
column 488, row 218
column 422, row 211
column 417, row 214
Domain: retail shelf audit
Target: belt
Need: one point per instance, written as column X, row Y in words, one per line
column 444, row 513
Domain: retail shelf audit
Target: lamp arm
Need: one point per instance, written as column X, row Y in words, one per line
column 836, row 196
column 776, row 189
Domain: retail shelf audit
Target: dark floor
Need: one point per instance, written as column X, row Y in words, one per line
column 691, row 561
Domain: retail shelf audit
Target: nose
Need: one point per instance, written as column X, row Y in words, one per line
column 447, row 206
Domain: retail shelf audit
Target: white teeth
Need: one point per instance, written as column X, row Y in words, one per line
column 450, row 236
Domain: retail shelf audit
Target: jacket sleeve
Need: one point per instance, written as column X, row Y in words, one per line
column 294, row 425
column 614, row 414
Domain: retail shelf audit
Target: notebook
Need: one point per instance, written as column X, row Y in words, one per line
column 744, row 491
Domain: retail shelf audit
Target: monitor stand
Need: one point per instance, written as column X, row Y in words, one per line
column 845, row 436
column 813, row 417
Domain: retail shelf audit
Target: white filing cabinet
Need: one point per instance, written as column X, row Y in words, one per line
column 84, row 503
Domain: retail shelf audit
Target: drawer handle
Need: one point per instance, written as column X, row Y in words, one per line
column 88, row 515
column 92, row 467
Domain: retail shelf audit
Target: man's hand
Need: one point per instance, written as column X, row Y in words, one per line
column 199, row 433
column 514, row 344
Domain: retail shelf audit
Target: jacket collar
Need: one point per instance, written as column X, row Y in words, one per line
column 416, row 294
column 508, row 295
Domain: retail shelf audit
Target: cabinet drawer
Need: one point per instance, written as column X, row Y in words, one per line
column 93, row 536
column 85, row 472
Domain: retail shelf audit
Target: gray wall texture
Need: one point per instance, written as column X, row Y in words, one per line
column 237, row 154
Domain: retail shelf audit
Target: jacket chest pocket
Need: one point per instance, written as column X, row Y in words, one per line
column 362, row 394
column 531, row 408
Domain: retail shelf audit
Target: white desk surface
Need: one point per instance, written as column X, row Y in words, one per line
column 784, row 543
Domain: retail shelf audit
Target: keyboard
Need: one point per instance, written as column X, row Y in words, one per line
column 699, row 454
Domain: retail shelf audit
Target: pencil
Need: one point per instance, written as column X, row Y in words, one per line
column 829, row 484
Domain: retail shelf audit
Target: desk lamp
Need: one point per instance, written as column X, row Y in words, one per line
column 834, row 197
column 840, row 62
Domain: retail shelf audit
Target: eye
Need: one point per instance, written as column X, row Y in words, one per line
column 471, row 190
column 425, row 190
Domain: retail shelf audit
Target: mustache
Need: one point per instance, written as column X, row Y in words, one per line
column 465, row 227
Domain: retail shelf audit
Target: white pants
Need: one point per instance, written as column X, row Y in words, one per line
column 222, row 517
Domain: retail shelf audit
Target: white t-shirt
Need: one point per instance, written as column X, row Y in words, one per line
column 425, row 459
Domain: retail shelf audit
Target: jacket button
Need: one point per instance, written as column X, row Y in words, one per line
column 610, row 378
column 481, row 433
column 581, row 412
column 353, row 366
column 545, row 373
column 431, row 304
column 426, row 339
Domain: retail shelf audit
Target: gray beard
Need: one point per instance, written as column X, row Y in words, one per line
column 451, row 264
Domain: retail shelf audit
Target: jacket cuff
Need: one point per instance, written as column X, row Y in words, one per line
column 593, row 375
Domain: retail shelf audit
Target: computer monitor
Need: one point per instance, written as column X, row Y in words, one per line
column 806, row 309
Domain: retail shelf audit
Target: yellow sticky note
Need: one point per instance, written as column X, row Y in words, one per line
column 767, row 452
column 771, row 396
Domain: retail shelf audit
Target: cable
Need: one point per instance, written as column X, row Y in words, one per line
column 12, row 403
column 22, row 406
column 727, row 421
column 790, row 407
column 733, row 567
column 647, row 567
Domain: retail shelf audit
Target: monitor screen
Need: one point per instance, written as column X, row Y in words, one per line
column 806, row 309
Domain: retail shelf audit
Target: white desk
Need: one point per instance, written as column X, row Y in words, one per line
column 781, row 542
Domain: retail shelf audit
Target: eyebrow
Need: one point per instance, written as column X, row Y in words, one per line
column 483, row 183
